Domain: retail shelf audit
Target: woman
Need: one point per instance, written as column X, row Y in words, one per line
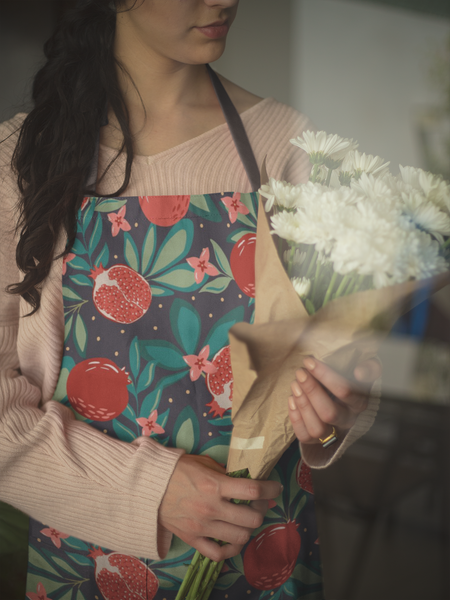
column 133, row 180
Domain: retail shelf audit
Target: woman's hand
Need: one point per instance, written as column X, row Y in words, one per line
column 196, row 506
column 314, row 412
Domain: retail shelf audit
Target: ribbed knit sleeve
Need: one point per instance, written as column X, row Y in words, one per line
column 56, row 469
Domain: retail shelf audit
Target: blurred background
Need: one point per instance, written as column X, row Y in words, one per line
column 377, row 71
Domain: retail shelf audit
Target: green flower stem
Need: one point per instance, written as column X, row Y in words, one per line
column 210, row 586
column 198, row 579
column 291, row 259
column 189, row 576
column 358, row 283
column 316, row 279
column 330, row 288
column 207, row 578
column 312, row 255
column 342, row 285
column 313, row 177
column 446, row 244
column 327, row 182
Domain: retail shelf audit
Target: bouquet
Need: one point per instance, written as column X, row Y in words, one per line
column 346, row 252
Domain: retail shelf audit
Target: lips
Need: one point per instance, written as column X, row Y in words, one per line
column 215, row 30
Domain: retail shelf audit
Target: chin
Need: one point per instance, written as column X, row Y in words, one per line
column 208, row 54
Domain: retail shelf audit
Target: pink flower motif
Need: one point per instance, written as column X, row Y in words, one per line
column 199, row 363
column 55, row 535
column 235, row 206
column 202, row 265
column 149, row 424
column 118, row 221
column 67, row 259
column 41, row 593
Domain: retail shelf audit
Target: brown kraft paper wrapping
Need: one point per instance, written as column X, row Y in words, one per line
column 265, row 355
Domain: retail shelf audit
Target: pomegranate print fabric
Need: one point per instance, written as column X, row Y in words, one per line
column 151, row 287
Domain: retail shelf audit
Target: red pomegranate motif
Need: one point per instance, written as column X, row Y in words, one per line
column 271, row 556
column 121, row 577
column 242, row 262
column 120, row 293
column 164, row 210
column 97, row 389
column 304, row 476
column 220, row 383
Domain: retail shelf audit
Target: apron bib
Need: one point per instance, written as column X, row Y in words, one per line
column 151, row 287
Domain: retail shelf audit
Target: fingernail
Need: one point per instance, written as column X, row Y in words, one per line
column 301, row 376
column 309, row 363
column 292, row 404
column 296, row 389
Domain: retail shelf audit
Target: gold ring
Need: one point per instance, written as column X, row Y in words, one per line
column 329, row 440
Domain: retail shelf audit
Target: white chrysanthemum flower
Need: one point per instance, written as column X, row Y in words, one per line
column 357, row 163
column 286, row 225
column 434, row 187
column 426, row 215
column 297, row 260
column 375, row 188
column 280, row 193
column 320, row 145
column 301, row 286
column 418, row 257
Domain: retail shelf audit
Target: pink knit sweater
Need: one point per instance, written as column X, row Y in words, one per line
column 60, row 470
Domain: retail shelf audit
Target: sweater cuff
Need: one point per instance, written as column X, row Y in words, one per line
column 319, row 458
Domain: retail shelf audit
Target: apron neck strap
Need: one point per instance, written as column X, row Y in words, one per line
column 237, row 130
column 235, row 125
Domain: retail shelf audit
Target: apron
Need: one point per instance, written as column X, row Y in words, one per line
column 151, row 287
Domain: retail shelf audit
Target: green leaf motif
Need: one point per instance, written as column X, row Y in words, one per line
column 110, row 205
column 69, row 294
column 203, row 206
column 217, row 449
column 68, row 327
column 123, row 432
column 63, row 565
column 305, row 575
column 171, row 379
column 131, row 252
column 159, row 291
column 135, row 357
column 88, row 214
column 250, row 200
column 79, row 263
column 80, row 336
column 168, row 584
column 81, row 280
column 216, row 285
column 180, row 278
column 236, row 235
column 38, row 560
column 165, row 354
column 150, row 403
column 77, row 544
column 246, row 221
column 103, row 257
column 186, row 431
column 185, row 436
column 95, row 235
column 80, row 559
column 146, row 377
column 299, row 506
column 218, row 335
column 148, row 248
column 78, row 248
column 221, row 259
column 175, row 247
column 186, row 325
column 227, row 580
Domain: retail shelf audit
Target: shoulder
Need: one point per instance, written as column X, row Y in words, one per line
column 271, row 125
column 9, row 135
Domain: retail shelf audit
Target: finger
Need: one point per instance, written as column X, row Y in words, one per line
column 214, row 551
column 298, row 423
column 241, row 515
column 368, row 371
column 249, row 489
column 313, row 424
column 346, row 392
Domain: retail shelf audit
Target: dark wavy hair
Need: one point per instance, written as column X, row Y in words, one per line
column 57, row 140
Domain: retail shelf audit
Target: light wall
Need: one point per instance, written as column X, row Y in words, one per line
column 362, row 70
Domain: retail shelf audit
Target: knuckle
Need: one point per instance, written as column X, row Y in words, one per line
column 254, row 490
column 258, row 521
column 243, row 537
column 343, row 391
column 317, row 431
column 330, row 414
